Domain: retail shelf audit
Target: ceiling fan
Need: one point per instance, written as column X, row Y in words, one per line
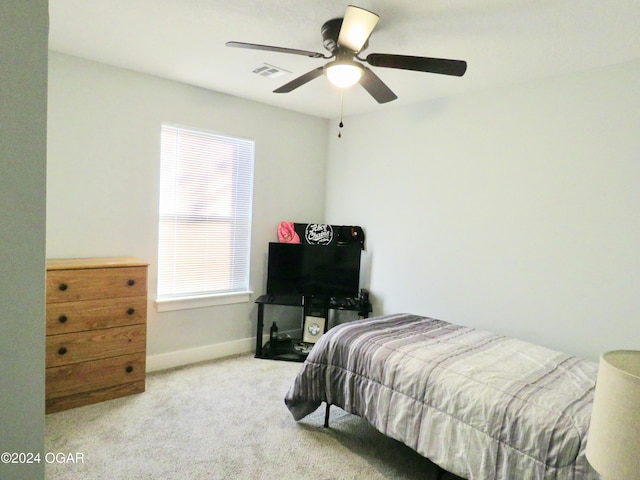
column 345, row 38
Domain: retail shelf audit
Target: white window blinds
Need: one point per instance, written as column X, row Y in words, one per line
column 206, row 185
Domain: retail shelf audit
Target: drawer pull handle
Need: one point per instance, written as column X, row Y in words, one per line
column 62, row 318
column 62, row 287
column 131, row 283
column 62, row 350
column 129, row 369
column 131, row 311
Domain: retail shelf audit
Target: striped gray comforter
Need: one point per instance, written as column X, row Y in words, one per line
column 480, row 405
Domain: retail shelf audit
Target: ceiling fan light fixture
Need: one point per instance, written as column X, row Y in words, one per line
column 343, row 73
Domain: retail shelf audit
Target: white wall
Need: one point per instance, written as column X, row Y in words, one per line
column 514, row 210
column 511, row 210
column 102, row 187
column 23, row 104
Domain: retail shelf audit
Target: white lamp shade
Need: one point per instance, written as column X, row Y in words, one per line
column 343, row 74
column 360, row 23
column 613, row 445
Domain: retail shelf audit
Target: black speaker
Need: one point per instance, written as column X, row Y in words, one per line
column 364, row 307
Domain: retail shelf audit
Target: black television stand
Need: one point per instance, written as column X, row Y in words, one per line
column 314, row 309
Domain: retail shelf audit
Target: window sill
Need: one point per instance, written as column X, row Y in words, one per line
column 185, row 303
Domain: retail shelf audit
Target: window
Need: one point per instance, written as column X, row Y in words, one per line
column 206, row 185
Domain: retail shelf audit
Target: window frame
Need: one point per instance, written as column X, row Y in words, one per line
column 235, row 295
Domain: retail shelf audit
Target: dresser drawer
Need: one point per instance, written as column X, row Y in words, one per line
column 94, row 283
column 71, row 317
column 94, row 344
column 57, row 404
column 84, row 377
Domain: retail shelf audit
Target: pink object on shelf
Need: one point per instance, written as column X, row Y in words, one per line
column 287, row 234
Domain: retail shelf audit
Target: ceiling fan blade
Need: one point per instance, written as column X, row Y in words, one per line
column 376, row 87
column 301, row 80
column 420, row 64
column 269, row 48
column 357, row 26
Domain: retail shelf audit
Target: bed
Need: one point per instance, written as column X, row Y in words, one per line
column 479, row 405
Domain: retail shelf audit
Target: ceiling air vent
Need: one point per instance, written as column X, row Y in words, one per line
column 269, row 71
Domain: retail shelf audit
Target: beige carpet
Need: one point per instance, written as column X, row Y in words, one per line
column 224, row 419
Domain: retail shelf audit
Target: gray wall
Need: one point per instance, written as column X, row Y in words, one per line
column 513, row 210
column 103, row 176
column 23, row 103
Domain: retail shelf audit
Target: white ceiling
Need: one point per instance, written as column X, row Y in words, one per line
column 503, row 41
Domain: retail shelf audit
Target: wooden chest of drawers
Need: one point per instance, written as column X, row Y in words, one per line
column 96, row 330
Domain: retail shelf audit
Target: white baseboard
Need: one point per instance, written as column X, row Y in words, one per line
column 199, row 354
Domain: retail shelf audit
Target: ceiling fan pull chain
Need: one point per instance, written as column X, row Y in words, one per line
column 341, row 110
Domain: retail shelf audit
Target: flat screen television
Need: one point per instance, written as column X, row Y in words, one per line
column 319, row 270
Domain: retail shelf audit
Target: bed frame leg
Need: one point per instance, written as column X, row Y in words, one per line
column 326, row 416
